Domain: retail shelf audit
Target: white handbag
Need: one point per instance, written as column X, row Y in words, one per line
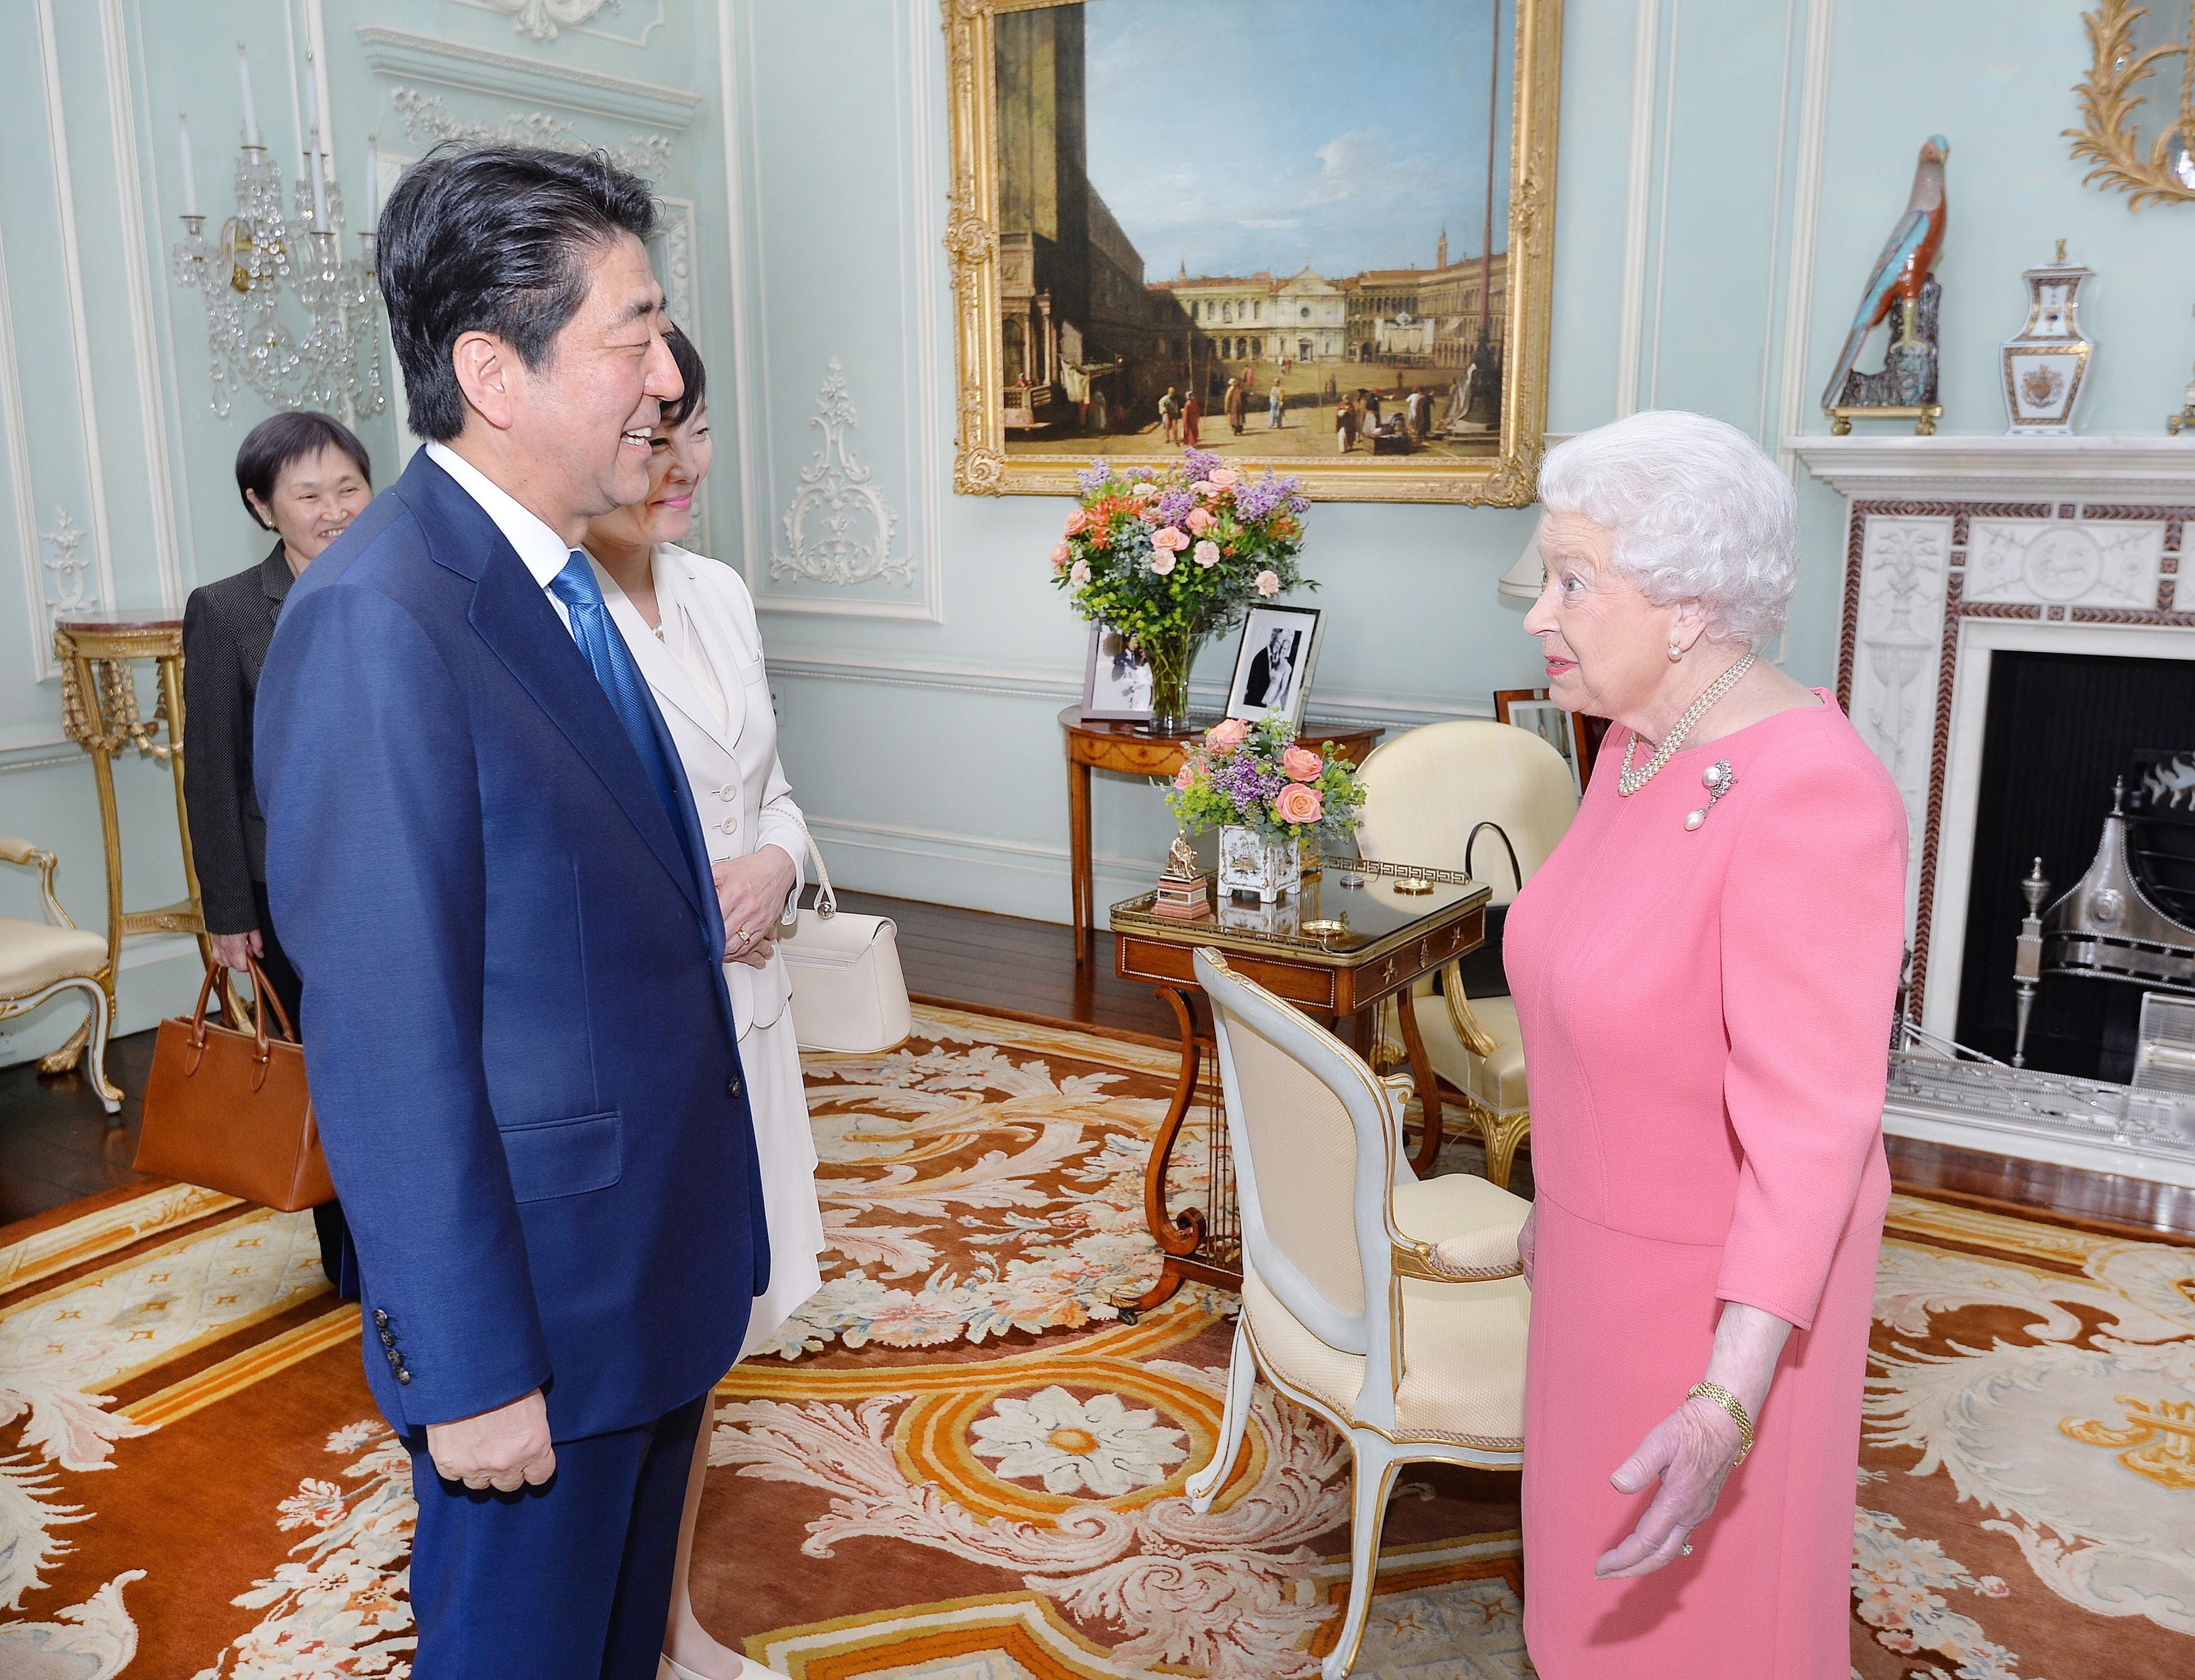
column 848, row 993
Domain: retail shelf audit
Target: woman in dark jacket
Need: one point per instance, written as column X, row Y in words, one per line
column 305, row 477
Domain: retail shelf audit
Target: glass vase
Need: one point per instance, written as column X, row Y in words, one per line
column 1171, row 655
column 1250, row 863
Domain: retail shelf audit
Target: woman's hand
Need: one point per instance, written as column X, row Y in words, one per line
column 230, row 950
column 752, row 892
column 1526, row 1237
column 1693, row 1450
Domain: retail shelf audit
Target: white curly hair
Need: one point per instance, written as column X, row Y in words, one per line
column 1699, row 511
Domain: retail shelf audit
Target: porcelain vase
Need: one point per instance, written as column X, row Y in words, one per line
column 1250, row 863
column 2046, row 363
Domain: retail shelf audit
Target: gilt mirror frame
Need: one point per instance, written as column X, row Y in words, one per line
column 1507, row 476
column 2124, row 74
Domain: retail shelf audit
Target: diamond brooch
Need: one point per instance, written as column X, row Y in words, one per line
column 1718, row 778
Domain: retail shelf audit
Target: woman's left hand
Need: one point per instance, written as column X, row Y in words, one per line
column 752, row 892
column 1692, row 1451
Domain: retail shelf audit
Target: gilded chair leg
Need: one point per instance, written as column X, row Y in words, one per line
column 95, row 1052
column 1234, row 1419
column 1504, row 1134
column 1373, row 1474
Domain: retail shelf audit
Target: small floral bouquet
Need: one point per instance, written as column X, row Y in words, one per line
column 1254, row 776
column 1170, row 558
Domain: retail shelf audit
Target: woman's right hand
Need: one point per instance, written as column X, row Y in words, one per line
column 230, row 950
column 1525, row 1237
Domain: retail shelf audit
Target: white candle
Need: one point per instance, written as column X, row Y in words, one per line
column 312, row 113
column 250, row 112
column 190, row 170
column 373, row 179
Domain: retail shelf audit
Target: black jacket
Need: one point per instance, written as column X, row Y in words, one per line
column 227, row 627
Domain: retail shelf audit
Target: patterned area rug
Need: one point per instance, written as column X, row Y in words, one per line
column 957, row 1464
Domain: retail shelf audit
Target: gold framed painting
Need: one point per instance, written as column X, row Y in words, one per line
column 1313, row 235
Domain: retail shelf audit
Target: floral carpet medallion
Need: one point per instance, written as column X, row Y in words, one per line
column 957, row 1464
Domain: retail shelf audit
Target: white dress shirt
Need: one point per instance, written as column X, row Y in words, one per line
column 543, row 550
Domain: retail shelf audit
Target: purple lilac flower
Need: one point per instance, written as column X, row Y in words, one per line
column 1249, row 785
column 1200, row 462
column 1254, row 503
column 1094, row 476
column 1174, row 506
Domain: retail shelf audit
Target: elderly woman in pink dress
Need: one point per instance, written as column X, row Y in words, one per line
column 1704, row 974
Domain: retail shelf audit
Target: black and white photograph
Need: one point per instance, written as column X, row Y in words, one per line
column 1272, row 670
column 1116, row 682
column 1530, row 709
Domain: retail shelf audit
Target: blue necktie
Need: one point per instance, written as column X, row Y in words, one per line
column 597, row 633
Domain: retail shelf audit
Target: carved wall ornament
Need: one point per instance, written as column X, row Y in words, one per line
column 427, row 119
column 2061, row 562
column 839, row 528
column 68, row 572
column 541, row 19
column 2111, row 95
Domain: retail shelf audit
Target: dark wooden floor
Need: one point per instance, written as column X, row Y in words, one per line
column 56, row 1144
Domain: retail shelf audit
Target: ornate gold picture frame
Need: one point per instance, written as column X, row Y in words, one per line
column 1363, row 358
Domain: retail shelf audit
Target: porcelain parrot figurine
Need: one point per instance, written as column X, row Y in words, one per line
column 1903, row 266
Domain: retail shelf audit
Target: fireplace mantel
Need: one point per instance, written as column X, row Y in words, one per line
column 2139, row 469
column 1957, row 548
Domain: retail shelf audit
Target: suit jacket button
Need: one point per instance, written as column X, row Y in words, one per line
column 381, row 1317
column 736, row 1087
column 730, row 825
column 388, row 1340
column 728, row 790
column 395, row 1359
column 402, row 1375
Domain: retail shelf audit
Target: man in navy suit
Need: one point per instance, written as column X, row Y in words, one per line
column 493, row 882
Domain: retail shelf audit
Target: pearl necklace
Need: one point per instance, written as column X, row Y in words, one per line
column 1629, row 781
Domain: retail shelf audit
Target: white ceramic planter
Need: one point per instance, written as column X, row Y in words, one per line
column 1250, row 863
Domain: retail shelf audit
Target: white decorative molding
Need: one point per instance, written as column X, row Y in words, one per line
column 1631, row 310
column 543, row 19
column 17, row 440
column 1806, row 215
column 914, row 45
column 67, row 589
column 102, row 553
column 426, row 118
column 449, row 64
column 838, row 527
column 674, row 241
column 1983, row 467
column 1662, row 211
column 138, row 268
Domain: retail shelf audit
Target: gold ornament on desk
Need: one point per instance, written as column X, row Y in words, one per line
column 1185, row 891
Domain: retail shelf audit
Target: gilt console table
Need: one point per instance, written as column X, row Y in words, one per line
column 101, row 713
column 1355, row 935
column 1132, row 750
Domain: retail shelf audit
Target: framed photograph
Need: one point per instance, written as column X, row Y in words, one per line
column 1570, row 733
column 1116, row 682
column 1191, row 221
column 1273, row 667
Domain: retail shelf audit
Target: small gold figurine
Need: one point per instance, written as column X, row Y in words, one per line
column 1185, row 891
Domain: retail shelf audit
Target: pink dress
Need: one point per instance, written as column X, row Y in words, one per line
column 1707, row 1016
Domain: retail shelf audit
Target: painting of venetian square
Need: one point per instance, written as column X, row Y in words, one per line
column 1271, row 227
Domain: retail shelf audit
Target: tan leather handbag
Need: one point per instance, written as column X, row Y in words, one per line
column 229, row 1109
column 848, row 993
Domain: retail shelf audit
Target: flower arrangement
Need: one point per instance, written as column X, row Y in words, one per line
column 1171, row 558
column 1254, row 776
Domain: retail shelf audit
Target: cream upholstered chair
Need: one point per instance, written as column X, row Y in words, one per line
column 1426, row 793
column 39, row 960
column 1395, row 1311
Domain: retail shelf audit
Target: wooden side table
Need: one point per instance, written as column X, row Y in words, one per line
column 1330, row 949
column 100, row 712
column 1134, row 750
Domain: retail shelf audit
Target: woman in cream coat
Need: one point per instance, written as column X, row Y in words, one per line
column 690, row 623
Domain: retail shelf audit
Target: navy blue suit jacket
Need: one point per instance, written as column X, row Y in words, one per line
column 521, row 1047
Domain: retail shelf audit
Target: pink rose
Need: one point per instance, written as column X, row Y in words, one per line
column 1079, row 573
column 1060, row 556
column 1207, row 553
column 1227, row 734
column 1161, row 563
column 1298, row 803
column 1149, row 512
column 1167, row 537
column 1205, row 487
column 1144, row 491
column 1185, row 777
column 1200, row 521
column 1268, row 583
column 1301, row 764
column 1225, row 478
column 1077, row 522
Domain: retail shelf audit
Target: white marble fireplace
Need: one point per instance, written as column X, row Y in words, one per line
column 1957, row 550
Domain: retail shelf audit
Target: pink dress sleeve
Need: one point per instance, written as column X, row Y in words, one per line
column 1812, row 940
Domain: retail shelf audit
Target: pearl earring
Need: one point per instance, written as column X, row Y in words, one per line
column 1675, row 653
